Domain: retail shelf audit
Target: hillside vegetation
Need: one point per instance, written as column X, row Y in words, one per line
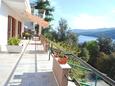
column 100, row 54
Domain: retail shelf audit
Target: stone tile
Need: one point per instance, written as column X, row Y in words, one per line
column 34, row 68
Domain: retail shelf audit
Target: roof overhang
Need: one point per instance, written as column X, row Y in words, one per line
column 36, row 19
column 22, row 7
column 18, row 5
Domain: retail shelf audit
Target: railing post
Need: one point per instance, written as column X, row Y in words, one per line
column 50, row 49
column 96, row 80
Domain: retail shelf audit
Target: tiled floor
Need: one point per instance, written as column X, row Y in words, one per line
column 7, row 62
column 32, row 69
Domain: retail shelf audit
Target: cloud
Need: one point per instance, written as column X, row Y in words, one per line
column 85, row 21
column 53, row 2
column 113, row 11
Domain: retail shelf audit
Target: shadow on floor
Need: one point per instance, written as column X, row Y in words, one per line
column 36, row 79
column 35, row 44
column 5, row 52
column 36, row 52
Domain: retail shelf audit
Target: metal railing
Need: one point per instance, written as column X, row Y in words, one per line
column 45, row 42
column 97, row 73
column 80, row 65
column 98, row 77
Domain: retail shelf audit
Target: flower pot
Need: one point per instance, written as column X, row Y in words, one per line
column 63, row 60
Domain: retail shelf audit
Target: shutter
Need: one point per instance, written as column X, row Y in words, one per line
column 13, row 27
column 9, row 26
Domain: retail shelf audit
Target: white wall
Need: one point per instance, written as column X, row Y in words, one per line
column 3, row 24
column 4, row 12
column 28, row 8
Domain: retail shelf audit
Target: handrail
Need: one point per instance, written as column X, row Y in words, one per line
column 45, row 42
column 97, row 72
column 74, row 65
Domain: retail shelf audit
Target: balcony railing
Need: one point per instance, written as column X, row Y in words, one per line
column 84, row 74
column 45, row 42
column 81, row 73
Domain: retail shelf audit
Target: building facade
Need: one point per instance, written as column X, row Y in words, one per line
column 13, row 15
column 12, row 19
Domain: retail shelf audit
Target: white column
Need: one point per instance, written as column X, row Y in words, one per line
column 44, row 14
column 22, row 30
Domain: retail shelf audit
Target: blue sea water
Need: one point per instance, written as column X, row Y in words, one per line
column 83, row 38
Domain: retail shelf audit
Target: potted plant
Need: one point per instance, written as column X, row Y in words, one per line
column 13, row 45
column 55, row 53
column 62, row 58
column 27, row 35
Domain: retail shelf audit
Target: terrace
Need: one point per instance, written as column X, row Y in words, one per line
column 36, row 67
column 30, row 68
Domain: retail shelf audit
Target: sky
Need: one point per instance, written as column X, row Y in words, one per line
column 85, row 14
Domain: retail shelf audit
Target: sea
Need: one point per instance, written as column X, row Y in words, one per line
column 83, row 38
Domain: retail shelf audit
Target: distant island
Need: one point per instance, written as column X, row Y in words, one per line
column 110, row 32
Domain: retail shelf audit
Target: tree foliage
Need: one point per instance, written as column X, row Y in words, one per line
column 105, row 44
column 72, row 38
column 62, row 29
column 93, row 49
column 101, row 55
column 65, row 35
column 113, row 46
column 84, row 54
column 45, row 6
column 106, row 64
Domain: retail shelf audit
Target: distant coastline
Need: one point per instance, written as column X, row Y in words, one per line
column 110, row 32
column 84, row 38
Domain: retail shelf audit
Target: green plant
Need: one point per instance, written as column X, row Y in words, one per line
column 13, row 41
column 27, row 34
column 61, row 55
